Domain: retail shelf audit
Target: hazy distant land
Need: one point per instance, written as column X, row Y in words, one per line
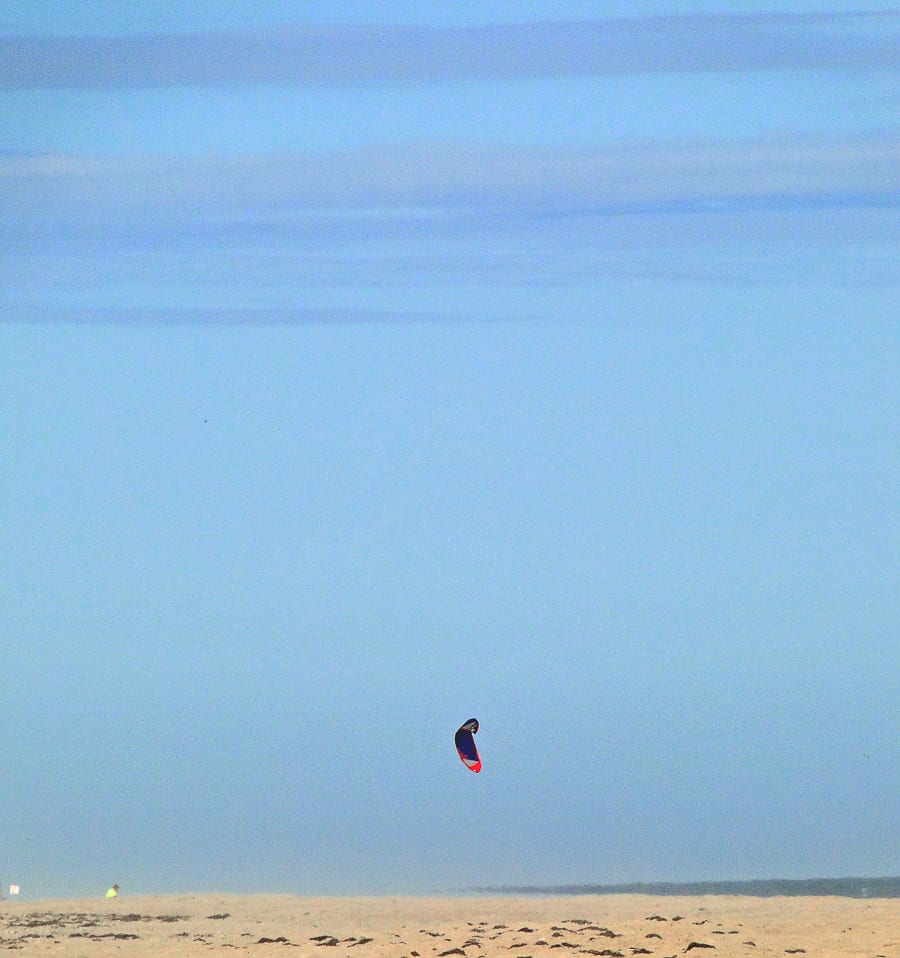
column 758, row 888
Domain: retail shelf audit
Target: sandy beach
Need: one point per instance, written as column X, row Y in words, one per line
column 608, row 926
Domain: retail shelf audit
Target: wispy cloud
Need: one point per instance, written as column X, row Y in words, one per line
column 257, row 232
column 800, row 170
column 451, row 215
column 408, row 54
column 204, row 316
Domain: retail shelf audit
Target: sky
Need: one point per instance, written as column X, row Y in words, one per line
column 368, row 367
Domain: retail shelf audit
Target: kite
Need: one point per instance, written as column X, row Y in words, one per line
column 465, row 745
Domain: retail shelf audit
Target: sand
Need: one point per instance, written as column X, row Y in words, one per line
column 583, row 926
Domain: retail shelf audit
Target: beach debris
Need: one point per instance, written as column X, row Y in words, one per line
column 698, row 944
column 451, row 951
column 280, row 940
column 115, row 935
column 82, row 920
column 795, row 951
column 465, row 745
column 219, row 917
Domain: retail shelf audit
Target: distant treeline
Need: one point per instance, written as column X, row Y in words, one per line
column 763, row 888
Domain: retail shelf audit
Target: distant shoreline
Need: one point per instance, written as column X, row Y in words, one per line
column 758, row 888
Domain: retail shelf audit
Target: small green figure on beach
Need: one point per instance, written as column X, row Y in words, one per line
column 112, row 892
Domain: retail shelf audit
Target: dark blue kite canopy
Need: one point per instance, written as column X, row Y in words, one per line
column 465, row 745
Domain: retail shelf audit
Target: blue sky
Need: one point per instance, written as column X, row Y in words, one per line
column 366, row 367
